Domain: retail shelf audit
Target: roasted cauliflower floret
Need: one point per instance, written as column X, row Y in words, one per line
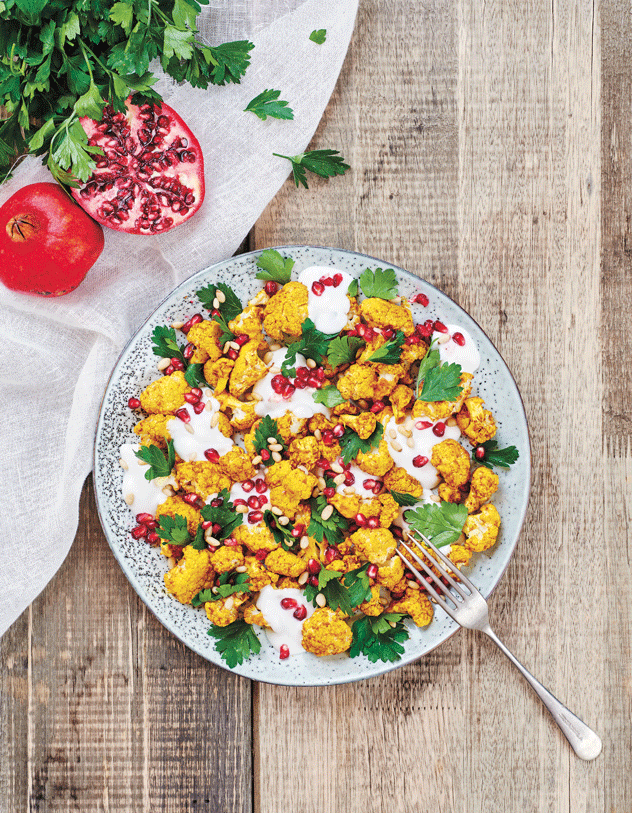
column 476, row 422
column 194, row 572
column 440, row 410
column 166, row 395
column 290, row 427
column 288, row 486
column 452, row 462
column 416, row 604
column 176, row 505
column 483, row 485
column 377, row 461
column 285, row 563
column 248, row 369
column 398, row 479
column 153, row 430
column 227, row 558
column 326, row 633
column 248, row 322
column 459, row 555
column 359, row 381
column 375, row 544
column 201, row 477
column 240, row 414
column 363, row 425
column 400, row 397
column 236, row 465
column 381, row 313
column 225, row 610
column 286, row 311
column 304, row 452
column 206, row 337
column 253, row 615
column 258, row 576
column 255, row 537
column 218, row 372
column 391, row 575
column 374, row 605
column 481, row 529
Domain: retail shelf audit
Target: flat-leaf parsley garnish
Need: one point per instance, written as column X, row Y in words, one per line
column 319, row 36
column 235, row 642
column 267, row 429
column 160, row 464
column 329, row 396
column 165, row 344
column 442, row 383
column 230, row 308
column 274, row 266
column 404, row 499
column 325, row 163
column 268, row 104
column 331, row 529
column 343, row 349
column 389, row 353
column 429, row 361
column 173, row 530
column 380, row 283
column 229, row 583
column 379, row 637
column 495, row 456
column 194, row 376
column 223, row 515
column 335, row 593
column 282, row 533
column 442, row 524
column 351, row 443
column 313, row 345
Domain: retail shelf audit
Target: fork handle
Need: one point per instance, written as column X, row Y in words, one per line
column 583, row 740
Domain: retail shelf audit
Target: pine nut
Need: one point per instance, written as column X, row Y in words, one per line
column 392, row 433
column 283, row 520
column 228, row 604
column 256, row 460
column 443, row 338
column 275, row 346
column 321, row 600
column 276, row 457
column 241, row 509
column 318, row 434
column 171, row 561
column 208, row 406
column 451, row 422
column 410, row 443
column 405, row 432
column 167, row 491
column 189, row 429
column 310, row 363
column 397, row 446
column 304, row 542
column 268, row 358
column 413, row 585
column 327, row 512
column 220, row 295
column 275, row 447
column 322, row 482
column 123, row 464
column 215, row 590
column 226, row 348
column 349, row 491
column 339, row 479
column 274, row 369
column 303, row 577
column 271, row 440
column 234, row 346
column 241, row 569
column 337, row 468
column 163, row 364
column 276, row 510
column 256, row 397
column 129, row 499
column 215, row 543
column 216, row 303
column 177, row 325
column 214, row 420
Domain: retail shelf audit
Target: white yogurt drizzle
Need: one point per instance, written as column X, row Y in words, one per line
column 192, row 445
column 148, row 494
column 423, row 442
column 328, row 311
column 450, row 352
column 285, row 629
column 300, row 403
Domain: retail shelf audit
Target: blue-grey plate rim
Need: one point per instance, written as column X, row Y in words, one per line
column 311, row 671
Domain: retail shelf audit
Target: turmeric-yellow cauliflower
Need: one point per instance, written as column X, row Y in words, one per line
column 476, row 422
column 416, row 604
column 286, row 311
column 194, row 572
column 375, row 544
column 481, row 529
column 165, row 395
column 381, row 313
column 326, row 633
column 483, row 485
column 205, row 336
column 452, row 462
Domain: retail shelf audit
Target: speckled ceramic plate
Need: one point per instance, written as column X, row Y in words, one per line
column 145, row 566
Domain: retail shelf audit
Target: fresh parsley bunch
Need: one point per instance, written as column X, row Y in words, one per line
column 63, row 60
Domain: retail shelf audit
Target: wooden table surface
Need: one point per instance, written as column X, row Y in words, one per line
column 491, row 151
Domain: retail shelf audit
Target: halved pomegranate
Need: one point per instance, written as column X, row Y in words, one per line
column 151, row 176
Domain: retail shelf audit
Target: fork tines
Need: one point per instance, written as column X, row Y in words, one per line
column 436, row 560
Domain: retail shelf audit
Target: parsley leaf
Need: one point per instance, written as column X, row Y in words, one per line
column 442, row 383
column 274, row 266
column 319, row 36
column 230, row 308
column 240, row 584
column 379, row 283
column 389, row 353
column 198, row 542
column 173, row 530
column 336, row 594
column 235, row 642
column 160, row 464
column 404, row 499
column 267, row 429
column 329, row 396
column 352, row 290
column 442, row 524
column 223, row 515
column 325, row 163
column 431, row 360
column 281, row 533
column 194, row 376
column 165, row 343
column 377, row 639
column 313, row 345
column 358, row 585
column 267, row 104
column 343, row 349
column 495, row 456
column 230, row 61
column 351, row 443
column 332, row 529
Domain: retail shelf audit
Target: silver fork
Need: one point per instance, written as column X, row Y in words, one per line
column 470, row 611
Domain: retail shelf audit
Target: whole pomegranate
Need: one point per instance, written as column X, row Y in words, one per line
column 151, row 175
column 47, row 243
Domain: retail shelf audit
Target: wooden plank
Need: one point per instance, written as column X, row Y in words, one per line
column 118, row 714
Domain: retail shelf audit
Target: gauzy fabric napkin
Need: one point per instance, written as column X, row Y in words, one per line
column 58, row 353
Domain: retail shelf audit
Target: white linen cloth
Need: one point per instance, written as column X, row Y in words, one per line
column 58, row 353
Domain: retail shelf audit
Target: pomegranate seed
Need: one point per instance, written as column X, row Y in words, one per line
column 190, row 398
column 289, row 603
column 260, row 555
column 231, row 542
column 278, row 383
column 338, row 430
column 337, row 280
column 373, row 522
column 300, row 385
column 369, row 484
column 423, row 424
column 369, row 333
column 216, row 528
column 349, row 478
column 328, row 437
column 153, row 538
column 331, row 554
column 458, row 338
column 151, row 524
column 260, row 486
column 360, row 520
column 139, row 532
column 239, row 501
column 313, row 580
column 302, row 373
column 177, row 364
column 253, row 502
column 371, row 571
column 284, row 652
column 248, row 485
column 320, row 373
column 329, row 492
column 313, row 567
column 377, row 406
column 133, row 403
column 288, row 391
column 479, row 453
column 183, row 415
column 191, row 499
column 217, row 502
column 420, row 461
column 215, row 313
column 300, row 613
column 298, row 531
column 328, row 281
column 440, row 327
column 439, row 429
column 199, row 407
column 242, row 339
column 352, row 332
column 270, row 287
column 169, row 370
column 361, row 330
column 232, row 354
column 318, row 288
column 206, row 524
column 194, row 320
column 388, row 333
column 188, row 351
column 264, row 454
column 212, row 455
column 422, row 299
column 377, row 489
column 312, row 381
column 396, row 531
column 255, row 516
column 262, row 500
column 143, row 518
column 414, row 339
column 197, row 392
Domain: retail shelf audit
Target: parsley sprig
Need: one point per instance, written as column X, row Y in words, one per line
column 325, row 163
column 236, row 642
column 381, row 283
column 227, row 310
column 267, row 429
column 330, row 396
column 379, row 637
column 313, row 345
column 330, row 530
column 495, row 456
column 268, row 104
column 344, row 591
column 165, row 344
column 281, row 533
column 229, row 583
column 274, row 266
column 343, row 349
column 390, row 352
column 319, row 36
column 442, row 383
column 223, row 515
column 160, row 464
column 441, row 523
column 351, row 443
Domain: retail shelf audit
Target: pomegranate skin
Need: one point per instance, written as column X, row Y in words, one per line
column 150, row 177
column 47, row 243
